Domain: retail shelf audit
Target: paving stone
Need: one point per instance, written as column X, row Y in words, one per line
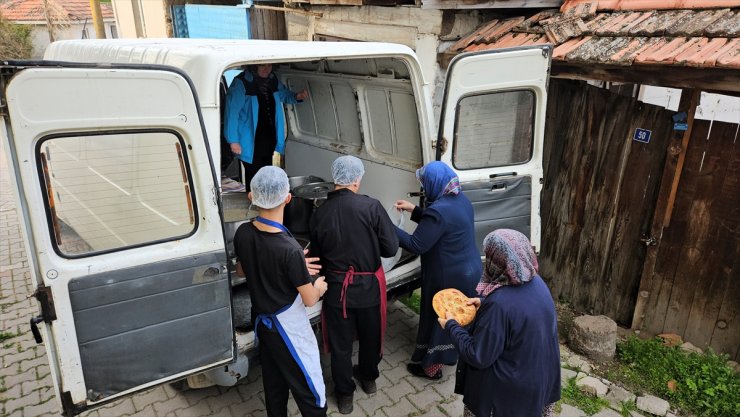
column 618, row 395
column 570, row 411
column 372, row 403
column 22, row 401
column 230, row 397
column 170, row 405
column 400, row 389
column 424, row 398
column 146, row 398
column 607, row 412
column 653, row 405
column 566, row 374
column 453, row 405
column 48, row 407
column 403, row 407
column 248, row 408
column 592, row 386
column 579, row 363
column 119, row 408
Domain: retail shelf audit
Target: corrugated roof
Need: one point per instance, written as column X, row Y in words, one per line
column 706, row 37
column 33, row 10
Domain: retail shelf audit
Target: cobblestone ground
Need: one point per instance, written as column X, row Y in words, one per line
column 26, row 388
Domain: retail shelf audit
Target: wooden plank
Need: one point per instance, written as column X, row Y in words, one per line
column 691, row 217
column 682, row 156
column 713, row 241
column 719, row 79
column 650, row 281
column 633, row 212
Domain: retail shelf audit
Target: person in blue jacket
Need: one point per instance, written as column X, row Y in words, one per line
column 445, row 239
column 510, row 356
column 254, row 122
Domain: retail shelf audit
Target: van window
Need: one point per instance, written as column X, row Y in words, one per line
column 113, row 191
column 495, row 129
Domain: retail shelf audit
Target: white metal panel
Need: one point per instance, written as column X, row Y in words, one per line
column 499, row 71
column 44, row 101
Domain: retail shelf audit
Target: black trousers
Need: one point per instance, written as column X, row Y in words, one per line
column 280, row 374
column 365, row 322
column 251, row 169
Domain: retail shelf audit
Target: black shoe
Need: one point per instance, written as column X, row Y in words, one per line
column 344, row 404
column 417, row 370
column 368, row 385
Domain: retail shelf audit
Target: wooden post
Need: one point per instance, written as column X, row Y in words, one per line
column 49, row 24
column 694, row 101
column 97, row 16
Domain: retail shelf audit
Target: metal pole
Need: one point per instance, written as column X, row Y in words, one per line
column 97, row 16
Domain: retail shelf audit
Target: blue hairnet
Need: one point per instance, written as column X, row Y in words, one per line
column 347, row 170
column 269, row 187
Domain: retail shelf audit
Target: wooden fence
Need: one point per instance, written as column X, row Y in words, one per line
column 604, row 191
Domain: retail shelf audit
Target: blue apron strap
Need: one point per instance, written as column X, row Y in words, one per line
column 272, row 223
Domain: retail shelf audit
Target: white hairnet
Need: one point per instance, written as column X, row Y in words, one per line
column 269, row 187
column 347, row 170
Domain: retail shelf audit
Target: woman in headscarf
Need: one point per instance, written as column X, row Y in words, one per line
column 445, row 239
column 510, row 356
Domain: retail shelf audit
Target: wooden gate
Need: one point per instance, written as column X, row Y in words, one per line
column 691, row 276
column 599, row 195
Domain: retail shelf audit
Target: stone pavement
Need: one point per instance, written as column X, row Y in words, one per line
column 26, row 388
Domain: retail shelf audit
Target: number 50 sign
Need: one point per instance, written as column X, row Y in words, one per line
column 642, row 135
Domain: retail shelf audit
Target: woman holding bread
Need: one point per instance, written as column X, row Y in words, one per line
column 510, row 356
column 445, row 239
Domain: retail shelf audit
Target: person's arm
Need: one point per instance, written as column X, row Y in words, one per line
column 312, row 293
column 485, row 345
column 288, row 97
column 415, row 210
column 431, row 227
column 235, row 101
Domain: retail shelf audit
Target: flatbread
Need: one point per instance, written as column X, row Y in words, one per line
column 454, row 301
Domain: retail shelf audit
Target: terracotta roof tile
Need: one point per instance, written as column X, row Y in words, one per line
column 649, row 4
column 687, row 37
column 727, row 25
column 33, row 10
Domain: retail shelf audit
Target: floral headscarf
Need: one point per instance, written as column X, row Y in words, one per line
column 510, row 260
column 437, row 179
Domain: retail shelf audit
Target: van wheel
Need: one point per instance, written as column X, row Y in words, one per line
column 181, row 385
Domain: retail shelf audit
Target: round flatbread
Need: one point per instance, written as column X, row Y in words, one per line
column 455, row 302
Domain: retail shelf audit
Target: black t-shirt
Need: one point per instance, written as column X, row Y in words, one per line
column 352, row 229
column 274, row 265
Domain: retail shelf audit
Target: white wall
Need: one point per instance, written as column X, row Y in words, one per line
column 40, row 34
column 154, row 14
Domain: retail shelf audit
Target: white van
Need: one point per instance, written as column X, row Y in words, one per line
column 113, row 146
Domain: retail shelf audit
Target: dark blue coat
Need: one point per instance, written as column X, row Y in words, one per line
column 445, row 239
column 510, row 356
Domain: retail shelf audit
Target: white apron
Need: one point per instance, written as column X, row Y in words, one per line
column 295, row 329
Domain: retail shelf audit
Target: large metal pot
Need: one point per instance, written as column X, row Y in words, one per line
column 305, row 199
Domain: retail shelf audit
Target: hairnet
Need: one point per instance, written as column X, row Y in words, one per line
column 269, row 187
column 347, row 170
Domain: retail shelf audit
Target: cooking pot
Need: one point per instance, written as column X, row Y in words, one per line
column 306, row 198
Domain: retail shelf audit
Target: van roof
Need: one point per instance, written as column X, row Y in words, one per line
column 204, row 60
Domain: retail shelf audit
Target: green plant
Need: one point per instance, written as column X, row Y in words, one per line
column 702, row 383
column 626, row 408
column 15, row 40
column 5, row 336
column 572, row 395
column 412, row 301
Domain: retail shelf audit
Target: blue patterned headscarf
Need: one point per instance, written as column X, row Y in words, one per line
column 510, row 260
column 437, row 179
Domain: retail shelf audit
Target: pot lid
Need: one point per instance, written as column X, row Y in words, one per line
column 313, row 191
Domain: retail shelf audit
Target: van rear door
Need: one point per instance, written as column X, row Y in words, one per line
column 117, row 193
column 491, row 133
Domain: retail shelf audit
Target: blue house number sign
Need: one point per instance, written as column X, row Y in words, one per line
column 642, row 135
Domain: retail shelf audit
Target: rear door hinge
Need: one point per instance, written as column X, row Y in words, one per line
column 48, row 312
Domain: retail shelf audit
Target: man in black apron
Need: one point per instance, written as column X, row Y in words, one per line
column 280, row 288
column 350, row 232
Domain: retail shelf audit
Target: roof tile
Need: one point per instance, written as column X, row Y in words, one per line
column 560, row 32
column 731, row 57
column 33, row 10
column 728, row 25
column 696, row 24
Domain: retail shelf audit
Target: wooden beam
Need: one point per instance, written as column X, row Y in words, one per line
column 718, row 79
column 287, row 10
column 693, row 102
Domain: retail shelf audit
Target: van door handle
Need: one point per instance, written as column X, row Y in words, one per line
column 503, row 174
column 35, row 328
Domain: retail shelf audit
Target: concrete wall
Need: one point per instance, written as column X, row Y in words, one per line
column 40, row 34
column 154, row 18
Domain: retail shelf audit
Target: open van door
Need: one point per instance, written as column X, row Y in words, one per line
column 117, row 193
column 491, row 133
